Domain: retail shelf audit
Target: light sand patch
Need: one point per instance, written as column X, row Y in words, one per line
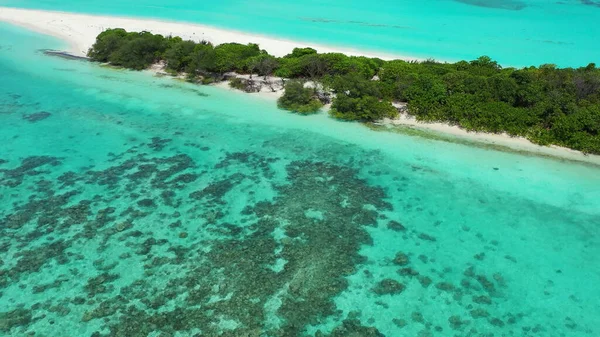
column 80, row 30
column 519, row 144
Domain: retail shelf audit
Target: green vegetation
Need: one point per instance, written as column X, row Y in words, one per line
column 237, row 83
column 130, row 50
column 299, row 99
column 546, row 104
column 363, row 108
column 243, row 84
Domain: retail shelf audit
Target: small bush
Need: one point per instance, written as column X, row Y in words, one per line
column 237, row 83
column 297, row 98
column 365, row 109
column 208, row 80
column 244, row 85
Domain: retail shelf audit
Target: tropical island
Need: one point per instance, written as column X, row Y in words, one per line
column 157, row 203
column 546, row 104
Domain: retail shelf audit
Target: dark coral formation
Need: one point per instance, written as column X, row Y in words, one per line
column 388, row 287
column 236, row 278
column 593, row 3
column 36, row 117
column 165, row 242
column 353, row 327
column 29, row 167
column 14, row 318
column 401, row 259
column 396, row 226
column 513, row 5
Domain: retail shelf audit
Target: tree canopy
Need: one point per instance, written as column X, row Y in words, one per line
column 299, row 99
column 546, row 104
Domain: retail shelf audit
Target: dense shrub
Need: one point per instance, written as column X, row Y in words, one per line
column 546, row 104
column 237, row 83
column 299, row 99
column 365, row 108
column 179, row 55
column 130, row 50
column 234, row 57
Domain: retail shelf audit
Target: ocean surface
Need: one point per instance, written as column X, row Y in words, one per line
column 513, row 32
column 132, row 205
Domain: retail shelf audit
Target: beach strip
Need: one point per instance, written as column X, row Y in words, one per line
column 80, row 31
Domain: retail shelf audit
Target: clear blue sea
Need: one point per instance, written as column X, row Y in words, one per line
column 514, row 32
column 139, row 206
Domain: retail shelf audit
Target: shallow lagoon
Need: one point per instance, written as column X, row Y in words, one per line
column 141, row 206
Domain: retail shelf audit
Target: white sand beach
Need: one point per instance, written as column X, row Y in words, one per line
column 80, row 31
column 519, row 144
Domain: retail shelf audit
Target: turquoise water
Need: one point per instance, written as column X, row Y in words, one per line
column 139, row 206
column 514, row 32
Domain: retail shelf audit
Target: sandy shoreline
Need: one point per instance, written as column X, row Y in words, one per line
column 80, row 31
column 517, row 144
